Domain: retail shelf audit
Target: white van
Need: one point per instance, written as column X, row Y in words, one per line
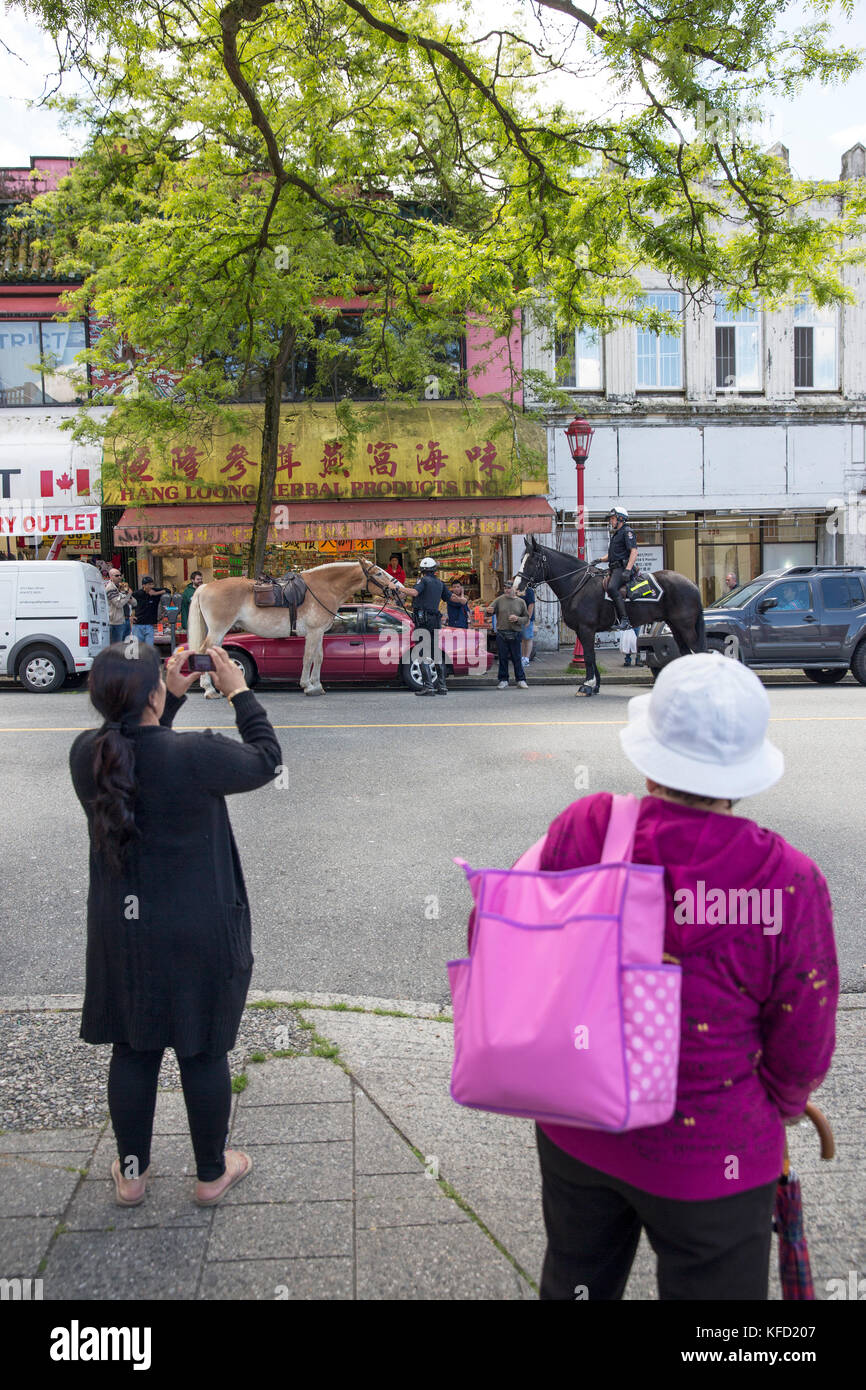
column 53, row 621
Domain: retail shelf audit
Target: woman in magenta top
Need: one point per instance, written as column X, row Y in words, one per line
column 759, row 993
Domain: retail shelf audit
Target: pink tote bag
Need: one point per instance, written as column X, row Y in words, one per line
column 563, row 1011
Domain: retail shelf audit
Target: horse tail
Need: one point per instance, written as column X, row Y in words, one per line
column 196, row 627
column 701, row 631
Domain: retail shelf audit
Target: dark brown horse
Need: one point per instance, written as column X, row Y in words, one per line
column 580, row 590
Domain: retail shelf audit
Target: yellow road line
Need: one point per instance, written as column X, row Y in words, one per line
column 469, row 724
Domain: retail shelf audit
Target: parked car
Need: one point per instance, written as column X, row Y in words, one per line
column 811, row 616
column 53, row 621
column 364, row 643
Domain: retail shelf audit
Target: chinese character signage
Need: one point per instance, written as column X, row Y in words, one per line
column 410, row 452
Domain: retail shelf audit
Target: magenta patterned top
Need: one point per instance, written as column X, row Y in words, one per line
column 758, row 997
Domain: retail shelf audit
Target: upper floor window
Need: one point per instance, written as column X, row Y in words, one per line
column 578, row 359
column 738, row 347
column 327, row 368
column 660, row 355
column 814, row 347
column 23, row 345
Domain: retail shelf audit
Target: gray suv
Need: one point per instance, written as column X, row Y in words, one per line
column 811, row 616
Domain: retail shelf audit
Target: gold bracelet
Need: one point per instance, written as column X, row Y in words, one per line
column 242, row 691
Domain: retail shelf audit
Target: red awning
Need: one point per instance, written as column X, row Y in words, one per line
column 422, row 518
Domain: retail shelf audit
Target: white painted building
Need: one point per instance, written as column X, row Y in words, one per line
column 736, row 447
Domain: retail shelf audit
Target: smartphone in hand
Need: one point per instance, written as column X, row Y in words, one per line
column 199, row 661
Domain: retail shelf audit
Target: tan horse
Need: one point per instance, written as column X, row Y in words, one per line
column 216, row 607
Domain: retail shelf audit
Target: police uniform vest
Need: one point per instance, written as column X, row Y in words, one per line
column 429, row 594
column 622, row 543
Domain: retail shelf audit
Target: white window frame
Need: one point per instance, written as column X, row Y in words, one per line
column 808, row 315
column 744, row 322
column 660, row 342
column 587, row 352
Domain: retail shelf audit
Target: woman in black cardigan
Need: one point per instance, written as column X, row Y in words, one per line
column 169, row 958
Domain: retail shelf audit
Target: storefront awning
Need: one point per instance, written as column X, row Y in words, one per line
column 421, row 518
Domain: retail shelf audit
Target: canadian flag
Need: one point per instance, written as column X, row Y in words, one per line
column 63, row 482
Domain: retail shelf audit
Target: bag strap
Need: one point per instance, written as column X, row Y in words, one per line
column 619, row 839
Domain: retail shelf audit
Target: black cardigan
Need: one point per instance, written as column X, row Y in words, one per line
column 169, row 954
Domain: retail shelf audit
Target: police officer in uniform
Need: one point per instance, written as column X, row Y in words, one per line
column 621, row 557
column 427, row 595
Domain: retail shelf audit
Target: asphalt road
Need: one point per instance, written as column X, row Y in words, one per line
column 350, row 870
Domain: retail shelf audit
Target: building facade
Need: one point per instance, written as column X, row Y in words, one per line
column 438, row 477
column 737, row 446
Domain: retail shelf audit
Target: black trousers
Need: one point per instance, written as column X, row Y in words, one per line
column 207, row 1090
column 508, row 649
column 717, row 1249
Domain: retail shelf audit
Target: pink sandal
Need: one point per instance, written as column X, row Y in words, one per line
column 120, row 1198
column 247, row 1165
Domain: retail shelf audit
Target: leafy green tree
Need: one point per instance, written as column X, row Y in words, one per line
column 247, row 163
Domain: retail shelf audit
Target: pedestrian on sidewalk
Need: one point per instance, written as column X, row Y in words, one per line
column 758, row 1006
column 146, row 603
column 118, row 594
column 169, row 954
column 510, row 615
column 527, row 636
column 196, row 580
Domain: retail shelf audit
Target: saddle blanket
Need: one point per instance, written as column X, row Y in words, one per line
column 645, row 588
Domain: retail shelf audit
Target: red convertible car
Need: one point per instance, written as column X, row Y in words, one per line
column 364, row 643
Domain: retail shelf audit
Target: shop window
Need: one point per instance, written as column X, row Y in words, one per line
column 815, row 351
column 842, row 591
column 23, row 345
column 578, row 359
column 738, row 347
column 659, row 355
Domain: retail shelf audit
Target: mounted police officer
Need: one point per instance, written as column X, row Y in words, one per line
column 427, row 595
column 621, row 557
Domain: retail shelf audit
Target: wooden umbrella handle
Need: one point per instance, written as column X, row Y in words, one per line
column 822, row 1124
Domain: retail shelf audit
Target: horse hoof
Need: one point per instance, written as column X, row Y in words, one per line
column 314, row 690
column 212, row 695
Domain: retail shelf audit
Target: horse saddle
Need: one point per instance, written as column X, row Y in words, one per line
column 289, row 591
column 644, row 588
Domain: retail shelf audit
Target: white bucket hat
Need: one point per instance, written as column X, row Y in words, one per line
column 703, row 729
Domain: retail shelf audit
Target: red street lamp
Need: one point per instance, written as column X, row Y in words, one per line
column 579, row 435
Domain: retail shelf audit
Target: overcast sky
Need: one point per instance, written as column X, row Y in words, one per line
column 817, row 127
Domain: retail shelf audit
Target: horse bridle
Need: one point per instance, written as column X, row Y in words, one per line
column 544, row 579
column 389, row 591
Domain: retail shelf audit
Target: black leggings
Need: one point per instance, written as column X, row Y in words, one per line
column 207, row 1090
column 706, row 1250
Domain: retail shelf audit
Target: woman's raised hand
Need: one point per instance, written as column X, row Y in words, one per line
column 175, row 682
column 227, row 677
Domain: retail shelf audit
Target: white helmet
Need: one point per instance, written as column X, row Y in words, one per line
column 428, row 563
column 619, row 511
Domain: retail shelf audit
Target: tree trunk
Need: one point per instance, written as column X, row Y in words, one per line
column 270, row 445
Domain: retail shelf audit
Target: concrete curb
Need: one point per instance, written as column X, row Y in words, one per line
column 363, row 1003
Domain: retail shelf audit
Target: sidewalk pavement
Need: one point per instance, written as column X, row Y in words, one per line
column 368, row 1181
column 551, row 668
